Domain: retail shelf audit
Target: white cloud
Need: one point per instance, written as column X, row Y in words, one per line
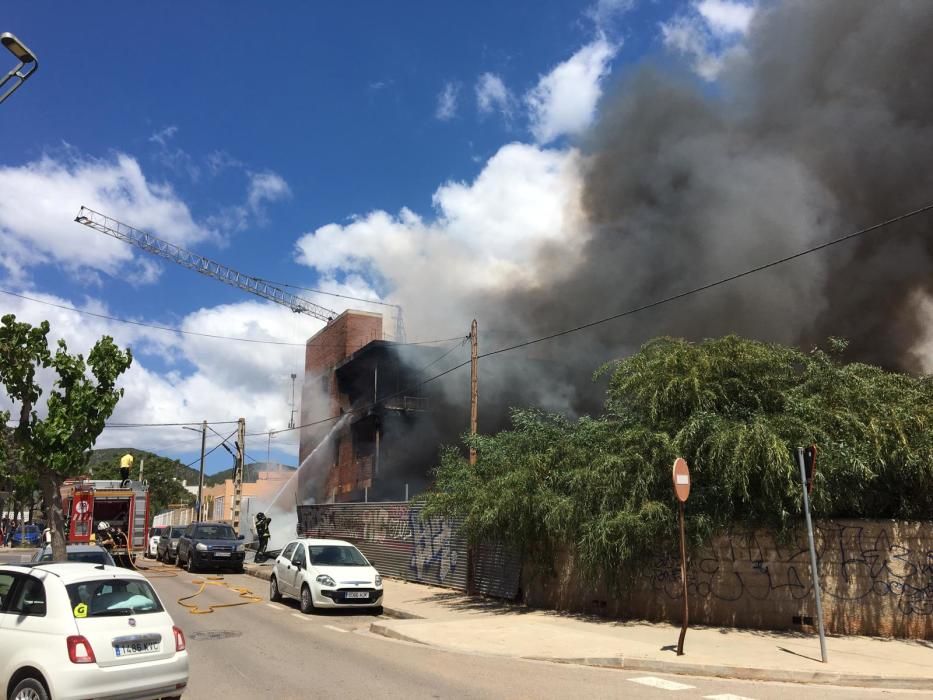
column 602, row 12
column 266, row 187
column 41, row 199
column 725, row 17
column 447, row 102
column 484, row 233
column 162, row 136
column 212, row 379
column 261, row 189
column 218, row 161
column 564, row 100
column 708, row 34
column 493, row 95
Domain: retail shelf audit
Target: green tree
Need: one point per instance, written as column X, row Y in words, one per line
column 82, row 398
column 733, row 408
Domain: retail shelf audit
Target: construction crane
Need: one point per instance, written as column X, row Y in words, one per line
column 199, row 263
column 206, row 266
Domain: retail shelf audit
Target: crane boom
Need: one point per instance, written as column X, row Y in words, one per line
column 199, row 263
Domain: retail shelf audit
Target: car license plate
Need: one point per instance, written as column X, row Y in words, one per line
column 136, row 648
column 221, row 554
column 357, row 594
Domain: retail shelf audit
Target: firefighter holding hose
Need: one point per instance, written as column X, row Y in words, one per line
column 262, row 533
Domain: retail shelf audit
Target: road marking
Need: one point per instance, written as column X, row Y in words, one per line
column 336, row 629
column 300, row 616
column 726, row 696
column 660, row 683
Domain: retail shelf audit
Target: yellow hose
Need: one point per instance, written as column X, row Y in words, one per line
column 217, row 581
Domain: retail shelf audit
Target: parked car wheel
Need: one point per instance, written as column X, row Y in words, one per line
column 306, row 601
column 177, row 559
column 189, row 564
column 29, row 689
column 274, row 594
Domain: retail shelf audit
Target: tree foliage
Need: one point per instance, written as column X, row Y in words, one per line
column 734, row 408
column 82, row 398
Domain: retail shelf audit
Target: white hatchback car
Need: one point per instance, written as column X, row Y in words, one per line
column 75, row 630
column 325, row 574
column 152, row 544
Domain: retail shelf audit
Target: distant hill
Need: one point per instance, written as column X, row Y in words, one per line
column 112, row 455
column 189, row 474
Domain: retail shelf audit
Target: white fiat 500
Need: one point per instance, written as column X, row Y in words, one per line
column 75, row 630
column 325, row 574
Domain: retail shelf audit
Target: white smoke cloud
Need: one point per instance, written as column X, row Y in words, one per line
column 484, row 234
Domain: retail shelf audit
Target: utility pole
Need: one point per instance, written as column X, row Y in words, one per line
column 201, row 475
column 238, row 472
column 142, row 463
column 474, row 356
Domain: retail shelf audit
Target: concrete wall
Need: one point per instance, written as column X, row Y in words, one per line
column 876, row 576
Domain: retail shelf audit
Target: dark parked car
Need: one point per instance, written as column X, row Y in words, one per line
column 88, row 553
column 210, row 546
column 168, row 544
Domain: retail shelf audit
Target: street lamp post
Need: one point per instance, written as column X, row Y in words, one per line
column 28, row 64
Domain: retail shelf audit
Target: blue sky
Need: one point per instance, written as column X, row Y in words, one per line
column 300, row 142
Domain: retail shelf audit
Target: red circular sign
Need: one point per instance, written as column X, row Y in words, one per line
column 681, row 477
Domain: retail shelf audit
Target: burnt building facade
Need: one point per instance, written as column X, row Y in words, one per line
column 374, row 428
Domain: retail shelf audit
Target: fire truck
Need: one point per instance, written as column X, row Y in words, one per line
column 123, row 504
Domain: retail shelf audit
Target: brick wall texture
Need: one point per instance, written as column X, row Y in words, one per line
column 876, row 578
column 342, row 337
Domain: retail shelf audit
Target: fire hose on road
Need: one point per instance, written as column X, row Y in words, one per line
column 164, row 571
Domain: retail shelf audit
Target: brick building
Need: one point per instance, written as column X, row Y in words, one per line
column 390, row 441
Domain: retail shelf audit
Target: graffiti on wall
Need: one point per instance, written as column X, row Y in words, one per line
column 857, row 562
column 425, row 550
column 432, row 545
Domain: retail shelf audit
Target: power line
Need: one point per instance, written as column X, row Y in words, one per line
column 222, row 441
column 165, row 425
column 169, row 329
column 634, row 310
column 333, row 294
column 717, row 283
column 149, row 325
column 462, row 340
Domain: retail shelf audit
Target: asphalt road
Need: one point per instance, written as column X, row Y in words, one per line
column 271, row 650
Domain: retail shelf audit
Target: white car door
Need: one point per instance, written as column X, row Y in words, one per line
column 283, row 567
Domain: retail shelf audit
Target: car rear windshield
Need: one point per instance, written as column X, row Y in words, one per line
column 336, row 555
column 215, row 532
column 112, row 597
column 87, row 557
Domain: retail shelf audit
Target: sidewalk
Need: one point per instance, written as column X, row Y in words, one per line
column 453, row 621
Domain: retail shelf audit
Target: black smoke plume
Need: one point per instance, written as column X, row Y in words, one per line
column 821, row 125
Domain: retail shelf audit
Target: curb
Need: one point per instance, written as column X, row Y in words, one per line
column 705, row 670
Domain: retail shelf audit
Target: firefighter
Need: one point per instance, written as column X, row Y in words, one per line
column 262, row 532
column 105, row 535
